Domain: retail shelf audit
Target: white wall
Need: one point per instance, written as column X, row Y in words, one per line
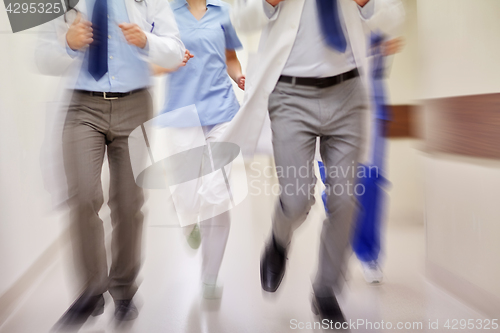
column 462, row 201
column 403, row 78
column 405, row 203
column 459, row 52
column 27, row 223
column 459, row 47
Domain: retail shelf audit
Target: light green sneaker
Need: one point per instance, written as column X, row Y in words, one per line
column 212, row 291
column 194, row 238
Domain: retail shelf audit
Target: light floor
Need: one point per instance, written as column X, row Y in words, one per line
column 169, row 295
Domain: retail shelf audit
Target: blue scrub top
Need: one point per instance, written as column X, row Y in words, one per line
column 204, row 80
column 378, row 77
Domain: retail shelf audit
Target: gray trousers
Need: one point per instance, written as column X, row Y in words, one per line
column 300, row 114
column 93, row 126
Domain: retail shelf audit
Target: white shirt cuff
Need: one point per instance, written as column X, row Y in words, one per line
column 270, row 10
column 368, row 10
column 145, row 51
column 72, row 53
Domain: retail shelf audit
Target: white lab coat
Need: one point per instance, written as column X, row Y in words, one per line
column 154, row 17
column 276, row 43
column 165, row 49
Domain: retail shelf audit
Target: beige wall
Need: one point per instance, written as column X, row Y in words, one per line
column 406, row 201
column 463, row 214
column 28, row 225
column 459, row 52
column 403, row 77
column 459, row 47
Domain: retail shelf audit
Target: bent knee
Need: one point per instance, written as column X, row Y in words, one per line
column 295, row 207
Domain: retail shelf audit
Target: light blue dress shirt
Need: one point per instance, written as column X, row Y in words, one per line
column 126, row 70
column 204, row 81
column 310, row 55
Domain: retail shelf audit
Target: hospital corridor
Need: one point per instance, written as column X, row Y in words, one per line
column 250, row 166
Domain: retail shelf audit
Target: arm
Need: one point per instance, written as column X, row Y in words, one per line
column 234, row 68
column 392, row 46
column 164, row 46
column 387, row 17
column 157, row 70
column 249, row 15
column 60, row 45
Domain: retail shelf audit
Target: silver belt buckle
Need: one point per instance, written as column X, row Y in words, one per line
column 109, row 98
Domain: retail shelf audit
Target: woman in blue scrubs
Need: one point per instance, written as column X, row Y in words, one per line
column 205, row 81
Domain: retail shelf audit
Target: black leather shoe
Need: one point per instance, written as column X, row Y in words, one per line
column 327, row 308
column 125, row 310
column 272, row 266
column 84, row 307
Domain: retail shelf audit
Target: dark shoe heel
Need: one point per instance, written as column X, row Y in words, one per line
column 327, row 308
column 314, row 308
column 99, row 308
column 125, row 310
column 78, row 313
column 272, row 266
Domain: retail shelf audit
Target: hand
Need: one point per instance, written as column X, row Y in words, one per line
column 241, row 82
column 134, row 34
column 361, row 3
column 187, row 56
column 393, row 46
column 157, row 70
column 79, row 34
column 274, row 3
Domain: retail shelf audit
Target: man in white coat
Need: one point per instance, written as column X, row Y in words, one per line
column 104, row 48
column 309, row 73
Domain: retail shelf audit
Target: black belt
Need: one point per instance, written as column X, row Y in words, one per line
column 323, row 82
column 109, row 95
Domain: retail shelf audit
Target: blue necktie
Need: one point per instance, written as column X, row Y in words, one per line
column 98, row 50
column 330, row 24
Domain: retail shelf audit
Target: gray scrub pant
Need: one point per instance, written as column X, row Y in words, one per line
column 93, row 127
column 300, row 114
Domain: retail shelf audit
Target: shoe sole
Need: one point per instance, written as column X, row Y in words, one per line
column 374, row 281
column 126, row 319
column 99, row 310
column 194, row 245
column 314, row 308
